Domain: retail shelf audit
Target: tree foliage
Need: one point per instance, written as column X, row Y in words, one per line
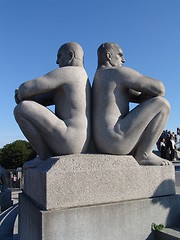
column 13, row 155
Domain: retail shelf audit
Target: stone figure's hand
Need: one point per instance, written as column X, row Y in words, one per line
column 16, row 96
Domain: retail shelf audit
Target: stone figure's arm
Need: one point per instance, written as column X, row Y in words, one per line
column 141, row 87
column 45, row 99
column 134, row 96
column 44, row 84
column 138, row 97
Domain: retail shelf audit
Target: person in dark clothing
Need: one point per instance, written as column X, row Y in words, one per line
column 172, row 146
column 163, row 148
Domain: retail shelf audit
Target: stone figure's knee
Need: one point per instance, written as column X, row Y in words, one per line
column 163, row 104
column 16, row 111
column 20, row 108
column 167, row 104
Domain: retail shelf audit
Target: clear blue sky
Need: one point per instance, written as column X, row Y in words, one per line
column 31, row 31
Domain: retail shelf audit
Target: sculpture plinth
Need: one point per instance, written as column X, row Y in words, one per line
column 81, row 186
column 87, row 179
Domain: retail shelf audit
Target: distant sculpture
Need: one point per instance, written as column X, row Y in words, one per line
column 3, row 179
column 116, row 130
column 68, row 130
column 5, row 193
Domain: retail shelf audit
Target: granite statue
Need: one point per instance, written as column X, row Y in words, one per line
column 5, row 193
column 116, row 129
column 3, row 179
column 67, row 131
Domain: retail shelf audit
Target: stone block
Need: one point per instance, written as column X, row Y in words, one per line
column 168, row 234
column 89, row 179
column 127, row 220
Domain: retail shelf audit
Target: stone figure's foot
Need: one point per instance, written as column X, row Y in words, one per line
column 154, row 160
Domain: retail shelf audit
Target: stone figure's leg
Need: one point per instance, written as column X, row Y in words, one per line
column 142, row 127
column 41, row 127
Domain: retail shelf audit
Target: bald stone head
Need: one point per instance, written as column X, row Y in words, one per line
column 110, row 54
column 70, row 54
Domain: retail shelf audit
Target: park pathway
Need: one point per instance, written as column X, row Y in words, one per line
column 7, row 220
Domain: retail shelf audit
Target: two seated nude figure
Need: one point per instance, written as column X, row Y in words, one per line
column 115, row 129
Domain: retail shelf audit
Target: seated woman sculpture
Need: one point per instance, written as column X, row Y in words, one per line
column 67, row 131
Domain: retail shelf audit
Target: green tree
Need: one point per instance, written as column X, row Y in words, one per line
column 13, row 155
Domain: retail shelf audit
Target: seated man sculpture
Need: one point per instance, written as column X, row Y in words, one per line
column 67, row 131
column 116, row 130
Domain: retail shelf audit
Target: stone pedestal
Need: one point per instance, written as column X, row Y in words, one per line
column 126, row 220
column 94, row 197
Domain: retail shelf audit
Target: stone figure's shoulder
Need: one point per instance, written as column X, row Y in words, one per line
column 127, row 71
column 102, row 72
column 116, row 73
column 69, row 75
column 107, row 73
column 71, row 71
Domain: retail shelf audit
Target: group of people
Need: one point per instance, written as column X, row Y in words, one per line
column 99, row 114
column 166, row 144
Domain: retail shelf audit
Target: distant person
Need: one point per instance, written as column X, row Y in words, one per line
column 68, row 88
column 163, row 148
column 116, row 130
column 175, row 138
column 14, row 181
column 168, row 145
column 172, row 146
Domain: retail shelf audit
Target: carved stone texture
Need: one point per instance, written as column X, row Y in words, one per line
column 88, row 179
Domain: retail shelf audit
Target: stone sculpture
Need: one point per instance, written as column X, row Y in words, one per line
column 3, row 179
column 68, row 130
column 5, row 193
column 116, row 130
